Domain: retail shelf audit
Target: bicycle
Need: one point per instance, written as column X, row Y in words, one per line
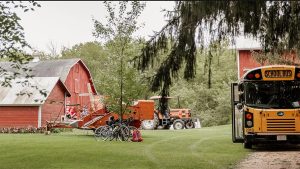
column 102, row 133
column 119, row 131
column 115, row 130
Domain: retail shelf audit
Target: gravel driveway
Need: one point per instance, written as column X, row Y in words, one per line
column 272, row 157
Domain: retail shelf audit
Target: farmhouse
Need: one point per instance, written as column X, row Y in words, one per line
column 72, row 73
column 22, row 105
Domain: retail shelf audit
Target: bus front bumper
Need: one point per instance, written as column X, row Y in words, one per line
column 255, row 138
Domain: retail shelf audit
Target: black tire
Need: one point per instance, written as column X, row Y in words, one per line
column 112, row 134
column 102, row 133
column 123, row 133
column 247, row 145
column 97, row 133
column 178, row 124
column 189, row 125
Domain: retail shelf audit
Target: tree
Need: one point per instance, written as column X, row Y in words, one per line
column 12, row 39
column 211, row 105
column 273, row 23
column 118, row 32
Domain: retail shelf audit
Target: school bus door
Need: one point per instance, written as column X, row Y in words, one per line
column 237, row 115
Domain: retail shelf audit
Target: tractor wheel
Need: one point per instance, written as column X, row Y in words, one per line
column 178, row 124
column 189, row 125
column 150, row 124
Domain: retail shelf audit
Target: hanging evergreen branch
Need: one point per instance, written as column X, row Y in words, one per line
column 274, row 23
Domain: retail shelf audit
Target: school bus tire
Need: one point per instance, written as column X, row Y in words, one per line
column 247, row 145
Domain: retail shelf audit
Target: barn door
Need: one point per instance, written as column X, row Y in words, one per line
column 237, row 115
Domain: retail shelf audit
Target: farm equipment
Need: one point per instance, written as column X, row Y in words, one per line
column 180, row 118
column 141, row 110
column 95, row 114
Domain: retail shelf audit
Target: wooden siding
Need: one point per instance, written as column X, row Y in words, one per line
column 77, row 82
column 53, row 108
column 19, row 116
column 246, row 62
column 24, row 116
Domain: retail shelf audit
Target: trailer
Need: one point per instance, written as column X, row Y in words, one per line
column 99, row 115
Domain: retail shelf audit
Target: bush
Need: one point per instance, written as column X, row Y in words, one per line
column 56, row 130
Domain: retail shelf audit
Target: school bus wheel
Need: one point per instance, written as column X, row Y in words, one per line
column 247, row 145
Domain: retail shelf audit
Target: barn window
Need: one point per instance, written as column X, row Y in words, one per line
column 76, row 83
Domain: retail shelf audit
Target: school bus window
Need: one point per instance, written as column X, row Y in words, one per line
column 278, row 94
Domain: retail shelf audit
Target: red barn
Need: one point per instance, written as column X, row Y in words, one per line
column 246, row 61
column 72, row 72
column 74, row 75
column 33, row 109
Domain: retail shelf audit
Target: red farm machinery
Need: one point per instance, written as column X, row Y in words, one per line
column 98, row 115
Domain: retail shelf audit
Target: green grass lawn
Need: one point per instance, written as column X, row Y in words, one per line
column 206, row 148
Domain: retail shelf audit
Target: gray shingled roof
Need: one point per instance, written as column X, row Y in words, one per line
column 9, row 97
column 48, row 68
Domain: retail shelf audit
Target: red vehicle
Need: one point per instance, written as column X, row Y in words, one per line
column 92, row 119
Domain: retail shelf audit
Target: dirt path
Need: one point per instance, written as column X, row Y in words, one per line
column 285, row 157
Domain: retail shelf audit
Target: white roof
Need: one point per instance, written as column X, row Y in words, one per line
column 9, row 95
column 243, row 43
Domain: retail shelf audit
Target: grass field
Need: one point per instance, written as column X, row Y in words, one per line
column 206, row 148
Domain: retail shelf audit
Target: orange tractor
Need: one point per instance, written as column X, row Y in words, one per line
column 180, row 118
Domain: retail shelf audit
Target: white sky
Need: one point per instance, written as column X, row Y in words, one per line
column 66, row 23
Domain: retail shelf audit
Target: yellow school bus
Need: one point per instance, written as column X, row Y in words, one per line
column 266, row 106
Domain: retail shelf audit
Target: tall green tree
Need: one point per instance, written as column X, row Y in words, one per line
column 118, row 31
column 12, row 39
column 211, row 105
column 273, row 23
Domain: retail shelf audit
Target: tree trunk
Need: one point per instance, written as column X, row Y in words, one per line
column 209, row 69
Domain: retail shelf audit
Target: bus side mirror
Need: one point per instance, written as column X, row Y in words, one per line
column 239, row 106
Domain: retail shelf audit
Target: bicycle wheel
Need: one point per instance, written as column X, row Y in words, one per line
column 106, row 133
column 124, row 133
column 114, row 133
column 97, row 133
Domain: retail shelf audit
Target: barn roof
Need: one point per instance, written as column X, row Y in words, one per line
column 47, row 68
column 9, row 95
column 51, row 68
column 246, row 43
